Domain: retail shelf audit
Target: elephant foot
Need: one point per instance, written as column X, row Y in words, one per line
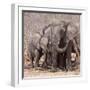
column 66, row 70
column 44, row 66
column 53, row 70
column 37, row 68
column 62, row 68
column 31, row 66
column 36, row 65
column 69, row 69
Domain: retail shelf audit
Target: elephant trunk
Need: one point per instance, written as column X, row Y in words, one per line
column 61, row 50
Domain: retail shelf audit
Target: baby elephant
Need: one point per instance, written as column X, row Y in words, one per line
column 71, row 54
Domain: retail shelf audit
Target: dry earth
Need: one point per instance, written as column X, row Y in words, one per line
column 32, row 73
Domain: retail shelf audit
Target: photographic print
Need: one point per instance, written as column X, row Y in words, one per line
column 51, row 44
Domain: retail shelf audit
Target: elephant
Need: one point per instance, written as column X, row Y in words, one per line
column 34, row 49
column 46, row 44
column 73, row 38
column 54, row 42
column 63, row 39
column 71, row 49
column 61, row 57
column 37, row 47
column 54, row 33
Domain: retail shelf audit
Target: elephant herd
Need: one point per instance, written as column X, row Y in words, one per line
column 58, row 45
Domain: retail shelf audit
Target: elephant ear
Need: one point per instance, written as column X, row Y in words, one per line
column 72, row 31
column 34, row 39
column 44, row 43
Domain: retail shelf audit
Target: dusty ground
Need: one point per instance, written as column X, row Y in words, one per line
column 45, row 73
column 32, row 73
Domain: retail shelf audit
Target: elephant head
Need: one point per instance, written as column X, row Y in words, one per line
column 73, row 39
column 71, row 33
column 61, row 34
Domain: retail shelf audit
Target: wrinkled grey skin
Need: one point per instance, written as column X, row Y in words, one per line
column 34, row 48
column 38, row 47
column 62, row 40
column 61, row 57
column 73, row 37
column 54, row 33
column 46, row 43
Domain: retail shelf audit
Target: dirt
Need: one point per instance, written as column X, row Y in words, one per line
column 33, row 73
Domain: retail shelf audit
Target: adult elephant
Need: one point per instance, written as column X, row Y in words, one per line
column 47, row 43
column 73, row 39
column 54, row 33
column 61, row 38
column 37, row 48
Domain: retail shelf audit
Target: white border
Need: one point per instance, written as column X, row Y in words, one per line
column 16, row 77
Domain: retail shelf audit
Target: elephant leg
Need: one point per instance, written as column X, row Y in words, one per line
column 32, row 64
column 68, row 59
column 44, row 65
column 64, row 61
column 54, row 61
column 61, row 61
column 58, row 62
column 49, row 59
column 67, row 64
column 37, row 57
column 31, row 60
